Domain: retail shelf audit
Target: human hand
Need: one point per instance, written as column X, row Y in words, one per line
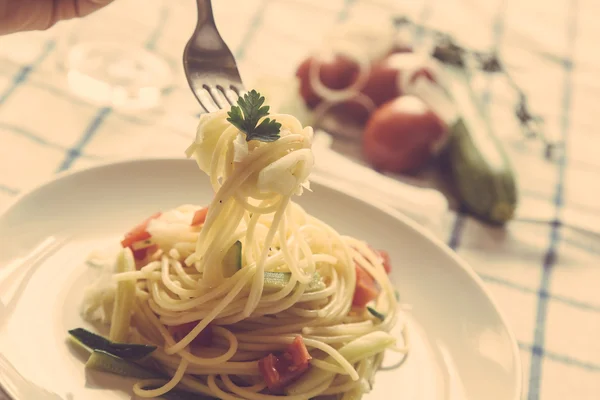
column 28, row 15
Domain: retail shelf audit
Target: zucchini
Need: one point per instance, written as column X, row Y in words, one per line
column 376, row 313
column 124, row 299
column 128, row 351
column 278, row 280
column 105, row 362
column 232, row 262
column 479, row 165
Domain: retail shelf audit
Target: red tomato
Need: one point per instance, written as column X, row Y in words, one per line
column 280, row 370
column 336, row 72
column 388, row 76
column 402, row 135
column 298, row 352
column 200, row 216
column 366, row 288
column 382, row 85
column 139, row 232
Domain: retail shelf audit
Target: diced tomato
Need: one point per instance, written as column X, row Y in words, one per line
column 299, row 352
column 387, row 263
column 269, row 371
column 366, row 288
column 280, row 370
column 199, row 216
column 139, row 232
column 204, row 338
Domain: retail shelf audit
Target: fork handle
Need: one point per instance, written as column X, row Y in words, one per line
column 205, row 14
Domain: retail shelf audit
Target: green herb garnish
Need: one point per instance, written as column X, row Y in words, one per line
column 248, row 112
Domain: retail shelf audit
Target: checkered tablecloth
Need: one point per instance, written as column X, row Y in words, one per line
column 545, row 276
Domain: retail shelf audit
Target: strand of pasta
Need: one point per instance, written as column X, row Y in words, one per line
column 140, row 391
column 183, row 276
column 252, row 164
column 224, row 140
column 207, row 320
column 288, row 257
column 171, row 285
column 257, row 285
column 256, row 396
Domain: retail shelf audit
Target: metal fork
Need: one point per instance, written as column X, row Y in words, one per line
column 209, row 65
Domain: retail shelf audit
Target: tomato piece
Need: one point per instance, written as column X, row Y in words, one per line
column 204, row 338
column 402, row 135
column 336, row 72
column 366, row 289
column 139, row 232
column 385, row 257
column 280, row 370
column 299, row 352
column 268, row 369
column 200, row 216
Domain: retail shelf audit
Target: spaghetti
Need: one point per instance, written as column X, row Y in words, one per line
column 250, row 297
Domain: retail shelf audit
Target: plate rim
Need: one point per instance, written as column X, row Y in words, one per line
column 398, row 215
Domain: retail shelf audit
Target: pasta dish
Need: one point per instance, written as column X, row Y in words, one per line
column 250, row 296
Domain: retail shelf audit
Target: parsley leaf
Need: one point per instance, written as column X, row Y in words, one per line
column 248, row 112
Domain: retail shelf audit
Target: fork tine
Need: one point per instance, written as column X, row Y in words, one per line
column 217, row 96
column 231, row 95
column 206, row 100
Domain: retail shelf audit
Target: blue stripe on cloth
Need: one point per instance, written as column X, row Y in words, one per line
column 581, row 305
column 33, row 137
column 498, row 30
column 75, row 151
column 8, row 190
column 535, row 372
column 24, row 72
column 561, row 358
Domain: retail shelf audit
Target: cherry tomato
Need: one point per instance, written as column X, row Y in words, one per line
column 401, row 135
column 336, row 72
column 388, row 76
column 382, row 85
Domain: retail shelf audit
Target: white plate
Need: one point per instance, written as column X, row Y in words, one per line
column 461, row 347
